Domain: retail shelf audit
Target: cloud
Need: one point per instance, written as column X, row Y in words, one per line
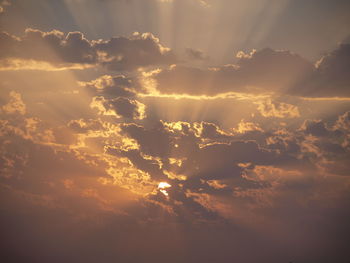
column 273, row 69
column 119, row 107
column 155, row 142
column 53, row 46
column 250, row 165
column 263, row 71
column 330, row 77
column 210, row 161
column 115, row 96
column 212, row 131
column 111, row 87
column 149, row 165
column 195, row 54
column 315, row 128
column 219, row 176
column 105, row 166
column 343, row 122
column 74, row 50
column 15, row 104
column 277, row 109
column 141, row 50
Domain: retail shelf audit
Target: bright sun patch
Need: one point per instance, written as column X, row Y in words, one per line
column 162, row 188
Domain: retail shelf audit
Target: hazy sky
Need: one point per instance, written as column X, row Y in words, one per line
column 174, row 131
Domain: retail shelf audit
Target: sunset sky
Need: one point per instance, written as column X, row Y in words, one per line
column 174, row 131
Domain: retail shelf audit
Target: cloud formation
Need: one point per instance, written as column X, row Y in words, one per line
column 110, row 171
column 209, row 163
column 258, row 72
column 59, row 49
column 123, row 107
column 330, row 77
column 263, row 71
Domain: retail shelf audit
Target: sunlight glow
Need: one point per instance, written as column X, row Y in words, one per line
column 162, row 188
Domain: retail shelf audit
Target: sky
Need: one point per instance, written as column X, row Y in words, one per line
column 174, row 131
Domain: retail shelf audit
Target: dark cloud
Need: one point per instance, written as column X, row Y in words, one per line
column 149, row 166
column 141, row 50
column 258, row 72
column 115, row 96
column 155, row 142
column 209, row 162
column 264, row 71
column 83, row 126
column 212, row 131
column 243, row 183
column 111, row 87
column 114, row 170
column 53, row 47
column 208, row 153
column 331, row 76
column 57, row 48
column 273, row 69
column 195, row 54
column 125, row 107
column 316, row 128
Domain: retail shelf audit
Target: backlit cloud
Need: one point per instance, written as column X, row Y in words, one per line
column 263, row 71
column 72, row 49
column 202, row 145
